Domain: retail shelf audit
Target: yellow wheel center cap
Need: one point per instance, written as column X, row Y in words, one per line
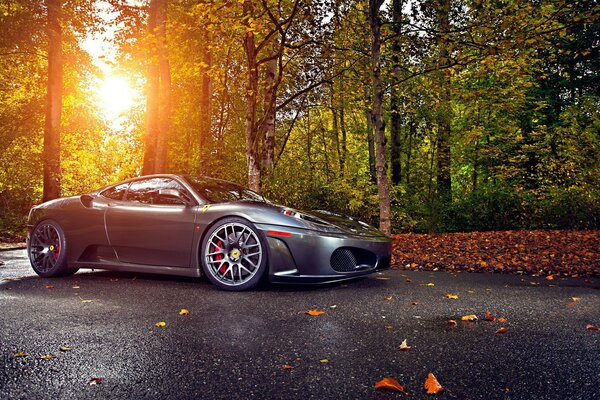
column 51, row 248
column 235, row 253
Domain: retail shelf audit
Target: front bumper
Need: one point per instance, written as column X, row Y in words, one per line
column 306, row 256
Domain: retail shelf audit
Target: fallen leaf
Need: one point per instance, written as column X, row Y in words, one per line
column 470, row 317
column 502, row 320
column 333, row 306
column 383, row 278
column 415, row 303
column 451, row 296
column 388, row 327
column 315, row 313
column 48, row 357
column 65, row 348
column 432, row 385
column 48, row 286
column 404, row 345
column 184, row 312
column 502, row 330
column 550, row 277
column 390, row 384
column 23, row 354
column 286, row 366
column 489, row 316
column 160, row 324
column 388, row 298
column 407, row 280
column 430, row 284
column 592, row 327
column 95, row 381
column 76, row 287
column 324, row 360
column 575, row 299
column 451, row 322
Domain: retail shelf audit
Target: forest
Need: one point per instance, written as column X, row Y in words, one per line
column 413, row 115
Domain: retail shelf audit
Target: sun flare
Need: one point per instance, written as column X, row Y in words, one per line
column 115, row 98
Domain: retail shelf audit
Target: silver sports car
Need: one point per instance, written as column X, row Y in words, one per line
column 194, row 226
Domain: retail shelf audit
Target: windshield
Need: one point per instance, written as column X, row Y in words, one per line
column 218, row 191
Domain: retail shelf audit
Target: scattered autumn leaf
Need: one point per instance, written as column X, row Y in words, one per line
column 575, row 299
column 470, row 317
column 95, row 381
column 502, row 330
column 592, row 327
column 383, row 278
column 432, row 385
column 550, row 277
column 76, row 287
column 23, row 354
column 65, row 348
column 404, row 345
column 390, row 384
column 388, row 298
column 287, row 366
column 333, row 306
column 415, row 303
column 502, row 320
column 430, row 284
column 451, row 322
column 160, row 324
column 451, row 296
column 184, row 312
column 48, row 357
column 324, row 361
column 48, row 286
column 489, row 316
column 389, row 327
column 315, row 313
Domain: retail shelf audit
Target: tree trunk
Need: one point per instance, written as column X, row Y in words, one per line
column 380, row 154
column 370, row 137
column 444, row 183
column 344, row 147
column 53, row 103
column 269, row 116
column 205, row 106
column 164, row 70
column 252, row 160
column 395, row 101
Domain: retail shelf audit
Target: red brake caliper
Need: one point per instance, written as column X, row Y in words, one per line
column 57, row 252
column 219, row 257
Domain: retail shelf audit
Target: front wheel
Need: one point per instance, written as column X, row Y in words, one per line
column 47, row 250
column 234, row 255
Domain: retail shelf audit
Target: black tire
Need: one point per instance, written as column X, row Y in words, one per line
column 47, row 250
column 234, row 255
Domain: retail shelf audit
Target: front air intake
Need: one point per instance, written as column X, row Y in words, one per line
column 349, row 259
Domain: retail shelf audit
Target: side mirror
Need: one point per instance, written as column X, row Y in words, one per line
column 174, row 193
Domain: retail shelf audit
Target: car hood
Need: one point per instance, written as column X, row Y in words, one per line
column 346, row 223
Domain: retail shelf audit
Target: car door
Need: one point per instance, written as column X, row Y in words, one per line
column 150, row 228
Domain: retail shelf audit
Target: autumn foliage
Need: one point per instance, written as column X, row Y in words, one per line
column 539, row 252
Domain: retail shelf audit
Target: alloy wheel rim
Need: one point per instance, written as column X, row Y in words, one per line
column 233, row 254
column 45, row 247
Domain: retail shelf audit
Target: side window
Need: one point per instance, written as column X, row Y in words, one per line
column 116, row 192
column 146, row 191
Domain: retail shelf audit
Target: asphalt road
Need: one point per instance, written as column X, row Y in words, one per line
column 235, row 345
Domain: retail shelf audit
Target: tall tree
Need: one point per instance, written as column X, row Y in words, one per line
column 377, row 85
column 444, row 183
column 53, row 102
column 395, row 100
column 159, row 91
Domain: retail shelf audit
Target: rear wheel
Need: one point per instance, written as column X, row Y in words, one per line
column 234, row 255
column 47, row 250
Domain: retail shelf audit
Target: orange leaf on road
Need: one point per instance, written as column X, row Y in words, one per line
column 95, row 381
column 286, row 366
column 48, row 286
column 470, row 317
column 592, row 327
column 502, row 330
column 184, row 312
column 315, row 313
column 432, row 385
column 489, row 316
column 502, row 320
column 451, row 296
column 390, row 384
column 160, row 324
column 451, row 322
